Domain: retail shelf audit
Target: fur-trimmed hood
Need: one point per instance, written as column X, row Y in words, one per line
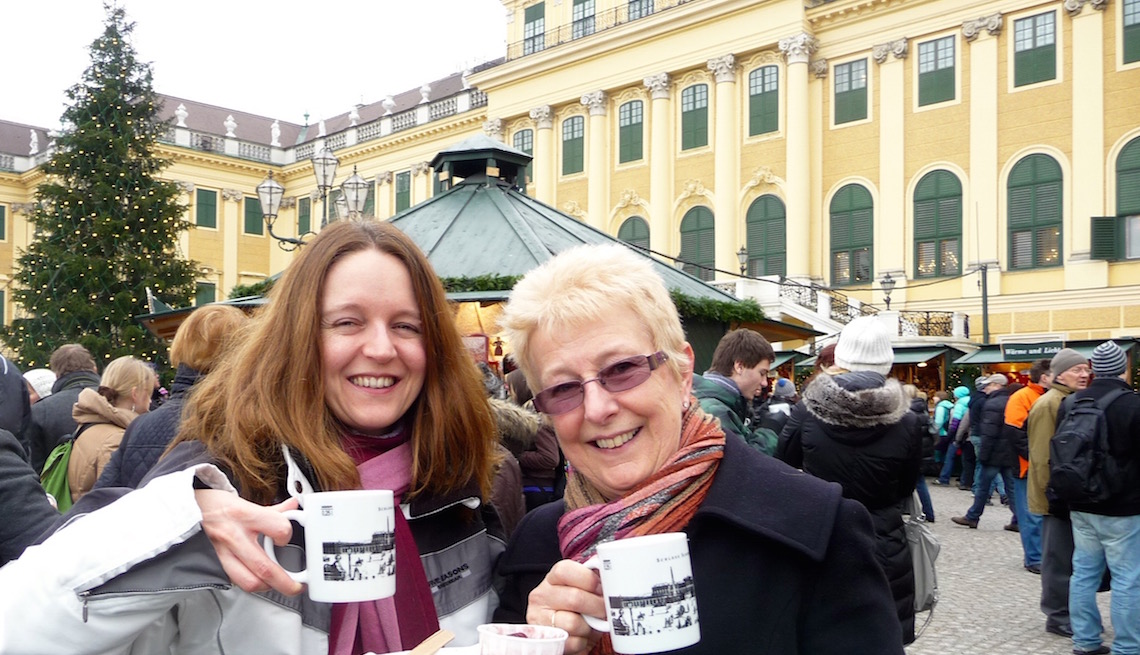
column 517, row 425
column 856, row 400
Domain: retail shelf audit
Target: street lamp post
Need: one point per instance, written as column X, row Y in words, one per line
column 349, row 204
column 742, row 259
column 888, row 284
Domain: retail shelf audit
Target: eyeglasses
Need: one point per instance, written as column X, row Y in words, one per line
column 619, row 376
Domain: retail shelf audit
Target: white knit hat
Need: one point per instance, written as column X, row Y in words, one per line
column 41, row 380
column 865, row 345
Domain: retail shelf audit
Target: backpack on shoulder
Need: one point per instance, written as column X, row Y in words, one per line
column 54, row 476
column 1080, row 467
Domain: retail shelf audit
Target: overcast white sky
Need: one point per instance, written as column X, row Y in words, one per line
column 258, row 56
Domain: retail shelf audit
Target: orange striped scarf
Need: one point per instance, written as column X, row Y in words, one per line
column 665, row 502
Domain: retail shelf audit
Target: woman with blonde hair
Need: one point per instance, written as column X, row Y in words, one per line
column 596, row 332
column 102, row 415
column 354, row 375
column 197, row 347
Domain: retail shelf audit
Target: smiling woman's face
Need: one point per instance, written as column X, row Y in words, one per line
column 372, row 350
column 616, row 439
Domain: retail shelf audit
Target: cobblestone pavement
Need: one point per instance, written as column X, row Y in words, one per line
column 988, row 601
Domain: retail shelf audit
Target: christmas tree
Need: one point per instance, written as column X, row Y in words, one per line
column 106, row 228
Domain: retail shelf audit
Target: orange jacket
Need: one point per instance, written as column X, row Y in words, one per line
column 1017, row 410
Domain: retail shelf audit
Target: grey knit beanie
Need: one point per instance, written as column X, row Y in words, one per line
column 980, row 382
column 1066, row 359
column 785, row 388
column 1108, row 360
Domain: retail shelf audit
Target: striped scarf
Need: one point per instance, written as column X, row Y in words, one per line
column 665, row 502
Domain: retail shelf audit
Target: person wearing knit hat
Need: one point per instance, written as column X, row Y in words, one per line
column 1108, row 360
column 40, row 381
column 980, row 382
column 865, row 345
column 1065, row 359
column 1070, row 372
column 1106, row 530
column 854, row 427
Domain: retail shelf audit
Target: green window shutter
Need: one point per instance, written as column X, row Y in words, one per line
column 630, row 131
column 304, row 215
column 698, row 239
column 254, row 224
column 3, row 222
column 852, row 235
column 205, row 293
column 635, row 232
column 936, row 71
column 851, row 91
column 1035, row 49
column 763, row 100
column 534, row 28
column 1107, row 238
column 695, row 116
column 3, row 307
column 766, row 236
column 937, row 224
column 403, row 190
column 573, row 145
column 1132, row 43
column 206, row 208
column 524, row 141
column 370, row 201
column 1128, row 178
column 1034, row 213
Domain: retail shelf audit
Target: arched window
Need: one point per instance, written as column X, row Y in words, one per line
column 763, row 100
column 635, row 231
column 766, row 227
column 1118, row 237
column 938, row 225
column 698, row 243
column 1035, row 213
column 852, row 235
column 573, row 145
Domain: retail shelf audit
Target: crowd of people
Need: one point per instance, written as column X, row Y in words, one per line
column 354, row 376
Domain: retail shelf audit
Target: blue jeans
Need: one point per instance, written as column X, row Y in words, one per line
column 948, row 464
column 998, row 483
column 985, row 481
column 924, row 497
column 1099, row 540
column 1028, row 523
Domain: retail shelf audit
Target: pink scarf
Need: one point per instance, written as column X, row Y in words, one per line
column 375, row 626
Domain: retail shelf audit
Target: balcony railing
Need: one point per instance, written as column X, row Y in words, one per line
column 7, row 163
column 585, row 26
column 800, row 294
column 925, row 324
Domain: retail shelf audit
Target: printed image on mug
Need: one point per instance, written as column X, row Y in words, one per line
column 649, row 592
column 350, row 560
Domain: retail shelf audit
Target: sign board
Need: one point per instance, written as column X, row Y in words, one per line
column 1041, row 350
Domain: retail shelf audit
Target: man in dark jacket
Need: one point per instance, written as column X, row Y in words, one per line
column 996, row 452
column 51, row 417
column 973, row 417
column 25, row 511
column 15, row 404
column 1108, row 531
column 739, row 369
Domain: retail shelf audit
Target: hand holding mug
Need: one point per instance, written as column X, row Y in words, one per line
column 233, row 526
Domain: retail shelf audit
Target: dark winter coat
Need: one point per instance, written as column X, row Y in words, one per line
column 782, row 565
column 922, row 426
column 977, row 401
column 15, row 405
column 24, row 508
column 148, row 436
column 1123, row 422
column 720, row 397
column 857, row 429
column 517, row 428
column 998, row 447
column 51, row 417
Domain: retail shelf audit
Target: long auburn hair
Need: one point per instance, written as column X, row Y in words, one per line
column 269, row 389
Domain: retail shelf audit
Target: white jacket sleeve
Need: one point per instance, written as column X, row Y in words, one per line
column 41, row 608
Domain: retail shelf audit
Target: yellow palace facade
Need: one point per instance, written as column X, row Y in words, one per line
column 827, row 143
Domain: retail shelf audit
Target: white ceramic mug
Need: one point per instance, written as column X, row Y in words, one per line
column 647, row 585
column 350, row 545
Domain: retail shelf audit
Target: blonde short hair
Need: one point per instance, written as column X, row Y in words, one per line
column 585, row 285
column 124, row 375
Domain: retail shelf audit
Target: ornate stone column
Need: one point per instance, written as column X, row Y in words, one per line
column 889, row 226
column 1088, row 145
column 421, row 182
column 597, row 169
column 726, row 164
column 384, row 195
column 493, row 128
column 544, row 168
column 797, row 50
column 230, row 225
column 979, row 223
column 661, row 237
